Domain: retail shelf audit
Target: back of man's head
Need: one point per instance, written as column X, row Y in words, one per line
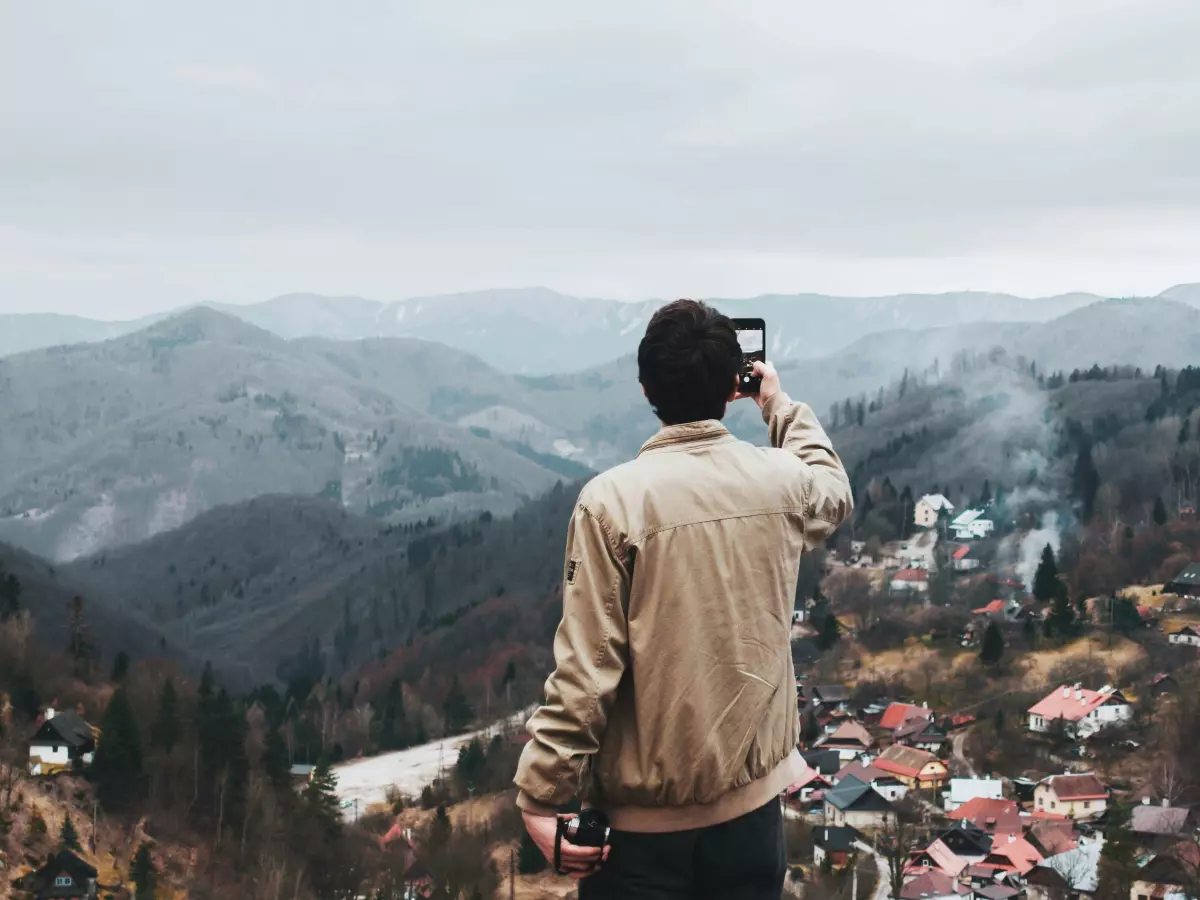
column 688, row 362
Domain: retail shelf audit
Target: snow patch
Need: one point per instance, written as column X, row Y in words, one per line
column 170, row 512
column 400, row 311
column 633, row 323
column 95, row 529
column 566, row 449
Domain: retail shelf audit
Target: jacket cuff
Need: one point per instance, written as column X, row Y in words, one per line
column 776, row 402
column 533, row 807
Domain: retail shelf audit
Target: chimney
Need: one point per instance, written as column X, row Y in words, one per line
column 50, row 713
column 826, row 834
column 1166, row 803
column 1078, row 693
column 1012, row 838
column 1066, row 692
column 1145, row 801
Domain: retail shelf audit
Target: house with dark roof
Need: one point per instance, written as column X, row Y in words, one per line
column 835, row 843
column 835, row 695
column 1186, row 583
column 858, row 805
column 924, row 735
column 1159, row 826
column 916, row 768
column 884, row 782
column 827, row 762
column 967, row 840
column 1187, row 635
column 1170, row 875
column 1079, row 797
column 64, row 877
column 1163, row 683
column 64, row 740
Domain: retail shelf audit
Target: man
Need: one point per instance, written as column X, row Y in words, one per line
column 673, row 699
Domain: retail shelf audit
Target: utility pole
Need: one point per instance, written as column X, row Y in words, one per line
column 854, row 880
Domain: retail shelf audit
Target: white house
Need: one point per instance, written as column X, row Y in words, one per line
column 916, row 580
column 64, row 739
column 1083, row 712
column 1185, row 635
column 925, row 513
column 970, row 524
column 964, row 789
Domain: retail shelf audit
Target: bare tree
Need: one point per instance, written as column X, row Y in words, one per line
column 893, row 843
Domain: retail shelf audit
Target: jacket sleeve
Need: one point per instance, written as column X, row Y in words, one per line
column 590, row 656
column 828, row 499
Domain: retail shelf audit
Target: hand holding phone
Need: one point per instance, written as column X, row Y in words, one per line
column 752, row 338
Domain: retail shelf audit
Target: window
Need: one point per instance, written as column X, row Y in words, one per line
column 63, row 881
column 1053, row 805
column 1087, row 804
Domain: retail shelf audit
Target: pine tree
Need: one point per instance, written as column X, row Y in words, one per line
column 993, row 644
column 166, row 729
column 831, row 631
column 120, row 666
column 812, row 728
column 1085, row 481
column 79, row 643
column 143, row 874
column 530, row 860
column 441, row 829
column 456, row 710
column 37, row 825
column 10, row 595
column 985, row 496
column 117, row 767
column 68, row 837
column 1118, row 856
column 1160, row 512
column 1046, row 583
column 1062, row 613
column 1030, row 630
column 275, row 760
column 393, row 730
column 320, row 795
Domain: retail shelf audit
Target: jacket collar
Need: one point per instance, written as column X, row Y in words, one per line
column 708, row 430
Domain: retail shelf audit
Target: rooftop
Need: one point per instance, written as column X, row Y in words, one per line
column 849, row 732
column 992, row 815
column 899, row 713
column 1077, row 787
column 963, row 790
column 937, row 501
column 852, row 794
column 1189, row 576
column 928, row 885
column 1162, row 820
column 915, row 575
column 907, row 761
column 835, row 838
column 1073, row 703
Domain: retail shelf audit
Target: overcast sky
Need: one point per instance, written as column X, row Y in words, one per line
column 154, row 154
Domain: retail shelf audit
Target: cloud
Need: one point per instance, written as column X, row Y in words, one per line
column 241, row 79
column 723, row 147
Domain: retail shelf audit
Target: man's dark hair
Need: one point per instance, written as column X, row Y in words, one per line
column 687, row 362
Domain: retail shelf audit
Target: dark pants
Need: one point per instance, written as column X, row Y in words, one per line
column 744, row 859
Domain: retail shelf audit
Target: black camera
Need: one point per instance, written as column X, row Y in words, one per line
column 588, row 829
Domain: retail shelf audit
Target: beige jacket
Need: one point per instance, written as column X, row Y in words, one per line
column 673, row 700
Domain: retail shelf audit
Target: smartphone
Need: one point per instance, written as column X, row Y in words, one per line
column 752, row 337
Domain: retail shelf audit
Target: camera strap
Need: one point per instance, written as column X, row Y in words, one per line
column 558, row 839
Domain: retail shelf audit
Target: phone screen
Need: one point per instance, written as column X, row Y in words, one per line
column 752, row 338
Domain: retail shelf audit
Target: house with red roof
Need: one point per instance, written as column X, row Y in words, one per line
column 1013, row 854
column 910, row 581
column 936, row 857
column 806, row 789
column 898, row 713
column 916, row 768
column 1078, row 711
column 1079, row 797
column 993, row 816
column 932, row 885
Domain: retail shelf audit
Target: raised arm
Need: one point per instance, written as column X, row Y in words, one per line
column 793, row 427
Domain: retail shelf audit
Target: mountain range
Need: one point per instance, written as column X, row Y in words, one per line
column 538, row 331
column 114, row 442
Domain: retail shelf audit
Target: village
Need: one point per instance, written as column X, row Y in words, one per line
column 1012, row 789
